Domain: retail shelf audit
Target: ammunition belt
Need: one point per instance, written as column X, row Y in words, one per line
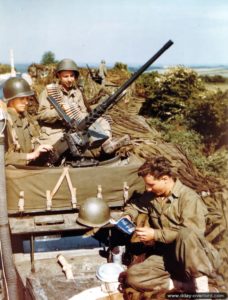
column 70, row 109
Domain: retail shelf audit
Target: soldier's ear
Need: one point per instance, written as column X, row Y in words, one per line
column 76, row 75
column 165, row 178
column 57, row 74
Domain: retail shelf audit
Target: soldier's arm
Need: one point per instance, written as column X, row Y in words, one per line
column 12, row 155
column 192, row 215
column 46, row 113
column 131, row 213
column 138, row 205
column 14, row 158
column 23, row 159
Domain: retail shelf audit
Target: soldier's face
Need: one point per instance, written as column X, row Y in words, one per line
column 19, row 104
column 67, row 79
column 156, row 186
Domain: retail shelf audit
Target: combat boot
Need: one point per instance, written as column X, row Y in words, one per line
column 201, row 284
column 188, row 287
column 111, row 145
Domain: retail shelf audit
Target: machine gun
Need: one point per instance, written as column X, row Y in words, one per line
column 95, row 77
column 81, row 137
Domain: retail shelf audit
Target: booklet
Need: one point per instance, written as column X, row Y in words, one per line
column 124, row 225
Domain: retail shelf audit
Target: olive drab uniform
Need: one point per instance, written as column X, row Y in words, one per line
column 180, row 251
column 51, row 123
column 22, row 133
column 102, row 72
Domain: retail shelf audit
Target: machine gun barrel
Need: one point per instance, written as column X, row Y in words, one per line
column 100, row 109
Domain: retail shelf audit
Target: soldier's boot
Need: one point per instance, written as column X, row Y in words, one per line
column 201, row 284
column 111, row 145
column 188, row 287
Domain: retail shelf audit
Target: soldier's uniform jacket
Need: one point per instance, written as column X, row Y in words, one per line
column 182, row 208
column 181, row 249
column 51, row 123
column 22, row 133
column 47, row 112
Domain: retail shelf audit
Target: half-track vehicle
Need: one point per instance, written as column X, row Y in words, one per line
column 57, row 221
column 45, row 252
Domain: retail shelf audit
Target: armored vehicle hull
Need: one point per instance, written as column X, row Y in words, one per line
column 43, row 205
column 36, row 189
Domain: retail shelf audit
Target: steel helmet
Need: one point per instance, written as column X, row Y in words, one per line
column 16, row 87
column 67, row 65
column 94, row 212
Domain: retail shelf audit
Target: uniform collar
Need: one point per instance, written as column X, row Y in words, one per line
column 69, row 92
column 16, row 117
column 175, row 193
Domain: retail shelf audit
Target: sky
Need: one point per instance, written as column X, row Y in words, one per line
column 128, row 31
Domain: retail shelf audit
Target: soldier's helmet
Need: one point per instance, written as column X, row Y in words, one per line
column 16, row 88
column 94, row 212
column 67, row 65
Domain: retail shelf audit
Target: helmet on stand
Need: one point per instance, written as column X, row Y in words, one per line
column 94, row 212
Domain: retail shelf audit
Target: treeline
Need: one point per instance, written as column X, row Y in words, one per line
column 4, row 68
column 214, row 79
column 179, row 105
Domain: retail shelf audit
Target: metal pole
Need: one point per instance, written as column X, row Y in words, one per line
column 7, row 255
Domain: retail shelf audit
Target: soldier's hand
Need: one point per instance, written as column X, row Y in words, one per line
column 44, row 148
column 128, row 217
column 145, row 234
column 40, row 149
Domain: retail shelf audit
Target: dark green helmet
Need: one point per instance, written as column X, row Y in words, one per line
column 16, row 87
column 94, row 212
column 67, row 65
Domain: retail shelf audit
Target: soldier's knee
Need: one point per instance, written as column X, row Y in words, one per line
column 132, row 277
column 186, row 234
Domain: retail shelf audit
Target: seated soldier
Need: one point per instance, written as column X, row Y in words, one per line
column 69, row 96
column 22, row 131
column 179, row 255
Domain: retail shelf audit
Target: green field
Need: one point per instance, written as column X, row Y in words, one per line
column 214, row 72
column 215, row 86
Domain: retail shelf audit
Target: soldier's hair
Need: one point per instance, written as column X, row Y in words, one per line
column 156, row 166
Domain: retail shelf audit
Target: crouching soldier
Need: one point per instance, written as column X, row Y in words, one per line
column 22, row 131
column 179, row 256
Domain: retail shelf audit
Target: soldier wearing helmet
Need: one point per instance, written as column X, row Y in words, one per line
column 66, row 92
column 69, row 96
column 22, row 132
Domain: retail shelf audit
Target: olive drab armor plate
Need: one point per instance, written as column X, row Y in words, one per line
column 30, row 186
column 96, row 135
